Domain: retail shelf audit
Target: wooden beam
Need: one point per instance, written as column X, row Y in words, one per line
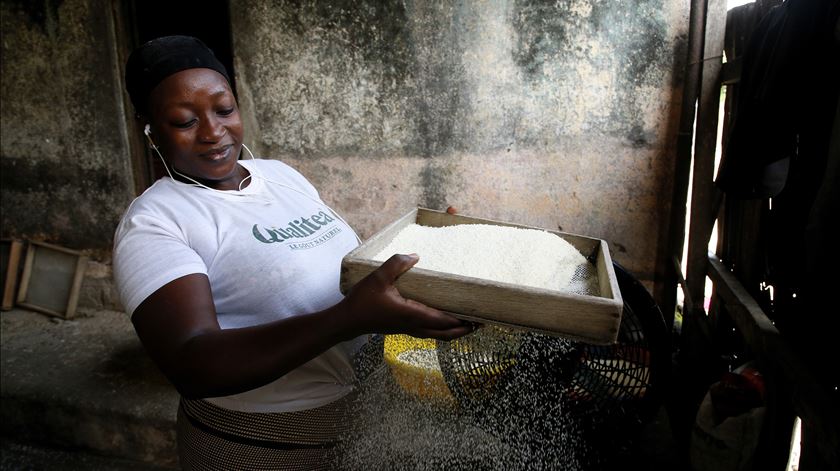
column 754, row 325
column 682, row 158
column 810, row 401
column 677, row 265
column 703, row 190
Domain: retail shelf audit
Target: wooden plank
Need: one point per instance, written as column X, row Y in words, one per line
column 750, row 319
column 811, row 402
column 12, row 251
column 682, row 160
column 607, row 282
column 76, row 287
column 681, row 279
column 593, row 319
column 703, row 190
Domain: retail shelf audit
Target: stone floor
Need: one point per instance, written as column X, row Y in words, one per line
column 84, row 384
column 82, row 394
column 27, row 457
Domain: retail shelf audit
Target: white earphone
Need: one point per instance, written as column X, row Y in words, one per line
column 148, row 132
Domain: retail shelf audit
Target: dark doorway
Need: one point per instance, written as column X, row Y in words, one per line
column 144, row 20
column 207, row 20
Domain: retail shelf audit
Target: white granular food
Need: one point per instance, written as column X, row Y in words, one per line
column 421, row 358
column 527, row 257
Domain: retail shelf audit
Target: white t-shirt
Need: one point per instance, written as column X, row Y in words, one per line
column 271, row 254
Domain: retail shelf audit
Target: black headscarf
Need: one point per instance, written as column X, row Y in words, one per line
column 159, row 58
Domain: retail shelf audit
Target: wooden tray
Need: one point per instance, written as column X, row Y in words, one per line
column 592, row 319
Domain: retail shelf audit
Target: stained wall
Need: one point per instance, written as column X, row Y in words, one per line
column 65, row 173
column 554, row 114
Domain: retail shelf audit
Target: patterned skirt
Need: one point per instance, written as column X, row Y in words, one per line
column 211, row 437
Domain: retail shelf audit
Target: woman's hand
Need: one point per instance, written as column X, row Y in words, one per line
column 375, row 305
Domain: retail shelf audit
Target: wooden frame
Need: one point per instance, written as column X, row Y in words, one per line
column 592, row 319
column 51, row 280
column 11, row 270
column 792, row 387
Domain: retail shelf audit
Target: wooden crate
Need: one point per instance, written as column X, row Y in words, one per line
column 51, row 280
column 592, row 319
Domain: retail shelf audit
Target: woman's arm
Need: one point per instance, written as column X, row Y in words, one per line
column 178, row 326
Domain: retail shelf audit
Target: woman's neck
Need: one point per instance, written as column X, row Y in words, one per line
column 238, row 181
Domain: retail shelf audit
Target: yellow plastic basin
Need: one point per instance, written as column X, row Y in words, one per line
column 414, row 366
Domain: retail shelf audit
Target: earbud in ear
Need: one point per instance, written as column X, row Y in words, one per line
column 148, row 132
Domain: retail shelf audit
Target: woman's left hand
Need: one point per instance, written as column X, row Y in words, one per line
column 375, row 305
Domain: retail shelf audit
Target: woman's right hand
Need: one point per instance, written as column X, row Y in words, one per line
column 374, row 305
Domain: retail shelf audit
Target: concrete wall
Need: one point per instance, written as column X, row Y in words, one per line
column 554, row 114
column 64, row 160
column 551, row 114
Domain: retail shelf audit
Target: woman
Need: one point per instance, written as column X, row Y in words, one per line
column 229, row 270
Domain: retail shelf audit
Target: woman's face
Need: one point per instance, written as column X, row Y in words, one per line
column 195, row 123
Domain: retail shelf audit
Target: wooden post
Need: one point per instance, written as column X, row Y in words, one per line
column 682, row 160
column 703, row 190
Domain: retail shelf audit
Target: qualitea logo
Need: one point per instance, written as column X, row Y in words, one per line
column 302, row 228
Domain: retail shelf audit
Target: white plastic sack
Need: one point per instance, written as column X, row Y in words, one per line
column 727, row 446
